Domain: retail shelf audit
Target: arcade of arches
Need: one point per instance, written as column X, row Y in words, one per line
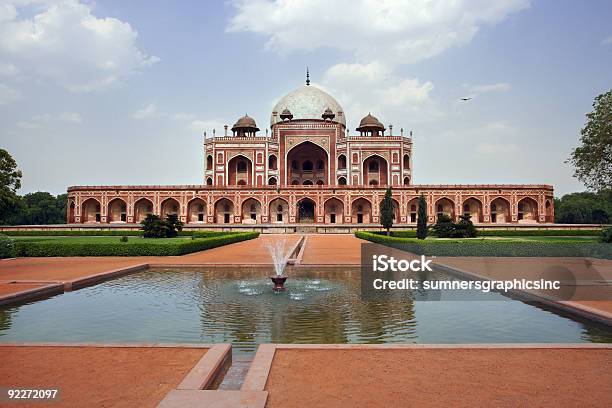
column 330, row 208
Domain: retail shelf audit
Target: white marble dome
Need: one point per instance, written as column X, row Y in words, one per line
column 307, row 102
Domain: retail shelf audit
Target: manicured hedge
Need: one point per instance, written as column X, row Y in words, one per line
column 104, row 233
column 157, row 247
column 485, row 247
column 539, row 233
column 7, row 247
column 206, row 234
column 83, row 233
column 399, row 234
column 508, row 233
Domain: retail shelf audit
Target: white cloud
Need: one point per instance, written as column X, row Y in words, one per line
column 183, row 116
column 394, row 31
column 71, row 117
column 65, row 43
column 497, row 87
column 607, row 41
column 8, row 70
column 493, row 138
column 44, row 119
column 373, row 87
column 8, row 95
column 145, row 112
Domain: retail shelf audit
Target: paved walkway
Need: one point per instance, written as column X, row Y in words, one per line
column 97, row 376
column 337, row 377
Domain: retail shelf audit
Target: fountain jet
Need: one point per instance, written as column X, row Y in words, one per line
column 277, row 251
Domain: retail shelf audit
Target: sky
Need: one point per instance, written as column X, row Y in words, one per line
column 114, row 92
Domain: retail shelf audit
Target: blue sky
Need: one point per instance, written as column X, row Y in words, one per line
column 115, row 92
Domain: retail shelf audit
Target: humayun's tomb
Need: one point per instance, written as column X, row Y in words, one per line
column 308, row 170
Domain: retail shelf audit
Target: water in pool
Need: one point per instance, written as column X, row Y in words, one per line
column 238, row 306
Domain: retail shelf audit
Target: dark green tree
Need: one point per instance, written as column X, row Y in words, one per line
column 444, row 226
column 10, row 182
column 173, row 225
column 465, row 227
column 584, row 208
column 153, row 227
column 386, row 211
column 42, row 208
column 593, row 158
column 422, row 218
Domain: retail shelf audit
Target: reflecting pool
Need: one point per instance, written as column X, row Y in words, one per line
column 238, row 306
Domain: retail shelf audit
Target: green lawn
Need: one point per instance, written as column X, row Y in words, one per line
column 516, row 239
column 42, row 246
column 536, row 246
column 103, row 240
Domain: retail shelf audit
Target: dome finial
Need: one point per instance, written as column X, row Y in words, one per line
column 307, row 77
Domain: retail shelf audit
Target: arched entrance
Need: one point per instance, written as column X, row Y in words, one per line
column 473, row 207
column 251, row 211
column 224, row 211
column 445, row 206
column 306, row 211
column 170, row 207
column 90, row 211
column 309, row 163
column 527, row 210
column 500, row 211
column 361, row 211
column 239, row 171
column 375, row 171
column 142, row 208
column 279, row 211
column 334, row 211
column 117, row 211
column 413, row 210
column 71, row 209
column 196, row 211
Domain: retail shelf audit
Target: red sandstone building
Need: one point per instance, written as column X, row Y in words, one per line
column 308, row 170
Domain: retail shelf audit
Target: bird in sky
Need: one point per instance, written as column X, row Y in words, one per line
column 465, row 99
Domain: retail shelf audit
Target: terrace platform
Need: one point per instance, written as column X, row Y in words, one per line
column 332, row 376
column 118, row 375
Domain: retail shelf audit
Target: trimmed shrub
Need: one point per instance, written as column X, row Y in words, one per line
column 207, row 234
column 123, row 238
column 7, row 247
column 464, row 228
column 399, row 234
column 173, row 225
column 482, row 247
column 606, row 235
column 538, row 233
column 50, row 247
column 444, row 226
column 72, row 233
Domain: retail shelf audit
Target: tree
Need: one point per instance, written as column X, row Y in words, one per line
column 444, row 226
column 10, row 182
column 153, row 227
column 42, row 208
column 422, row 218
column 584, row 208
column 173, row 225
column 593, row 158
column 464, row 228
column 386, row 211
